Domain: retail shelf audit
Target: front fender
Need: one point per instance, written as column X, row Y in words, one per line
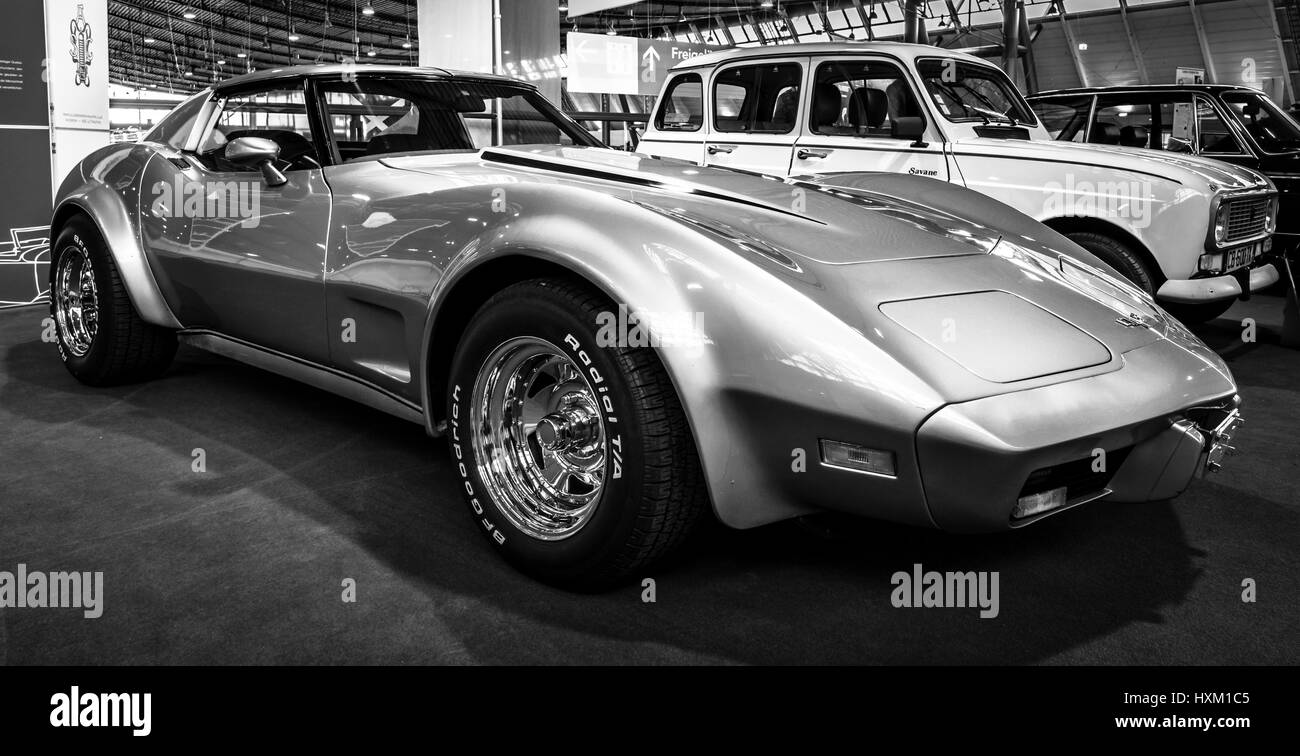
column 105, row 188
column 775, row 371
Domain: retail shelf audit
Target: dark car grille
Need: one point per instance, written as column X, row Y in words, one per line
column 1077, row 476
column 1247, row 218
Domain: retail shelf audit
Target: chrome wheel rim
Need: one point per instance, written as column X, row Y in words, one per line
column 76, row 301
column 539, row 438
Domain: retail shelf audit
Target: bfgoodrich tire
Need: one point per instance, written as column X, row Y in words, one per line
column 1117, row 255
column 101, row 339
column 575, row 459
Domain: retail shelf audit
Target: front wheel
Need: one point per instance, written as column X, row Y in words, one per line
column 101, row 339
column 575, row 459
column 1117, row 255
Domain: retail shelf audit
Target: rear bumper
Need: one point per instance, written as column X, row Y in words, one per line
column 1197, row 290
column 1136, row 434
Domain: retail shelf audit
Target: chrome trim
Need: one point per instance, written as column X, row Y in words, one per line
column 76, row 301
column 538, row 438
column 325, row 378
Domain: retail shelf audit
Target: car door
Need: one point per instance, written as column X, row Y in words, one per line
column 677, row 129
column 849, row 121
column 755, row 107
column 239, row 255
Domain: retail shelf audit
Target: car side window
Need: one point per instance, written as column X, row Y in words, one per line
column 682, row 106
column 1213, row 135
column 278, row 114
column 860, row 98
column 1126, row 121
column 759, row 99
column 1065, row 118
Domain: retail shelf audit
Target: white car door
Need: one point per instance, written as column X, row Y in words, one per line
column 677, row 128
column 755, row 114
column 858, row 111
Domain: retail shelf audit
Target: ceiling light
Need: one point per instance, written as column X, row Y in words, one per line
column 612, row 31
column 406, row 44
column 1083, row 45
column 241, row 55
column 369, row 10
column 189, row 15
column 766, row 4
column 221, row 62
column 564, row 7
column 371, row 52
column 149, row 40
column 293, row 35
column 189, row 73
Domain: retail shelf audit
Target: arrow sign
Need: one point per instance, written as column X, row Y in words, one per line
column 648, row 73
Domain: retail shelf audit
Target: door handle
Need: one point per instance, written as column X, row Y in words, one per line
column 805, row 153
column 716, row 148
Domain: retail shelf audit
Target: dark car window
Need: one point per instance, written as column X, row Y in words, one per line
column 860, row 98
column 757, row 99
column 1065, row 118
column 682, row 106
column 1274, row 130
column 1214, row 136
column 1156, row 120
column 278, row 114
column 381, row 116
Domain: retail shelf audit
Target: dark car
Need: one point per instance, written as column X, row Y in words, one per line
column 1235, row 124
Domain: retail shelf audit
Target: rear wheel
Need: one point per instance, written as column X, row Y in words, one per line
column 575, row 459
column 1117, row 255
column 101, row 339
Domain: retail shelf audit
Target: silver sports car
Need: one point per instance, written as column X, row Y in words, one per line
column 616, row 345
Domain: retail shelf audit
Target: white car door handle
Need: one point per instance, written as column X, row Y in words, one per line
column 804, row 153
column 716, row 148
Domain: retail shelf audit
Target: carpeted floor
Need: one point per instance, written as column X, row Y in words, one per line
column 244, row 563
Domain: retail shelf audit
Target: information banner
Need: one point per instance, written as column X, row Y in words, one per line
column 24, row 155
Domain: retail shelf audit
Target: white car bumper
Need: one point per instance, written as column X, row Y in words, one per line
column 1197, row 290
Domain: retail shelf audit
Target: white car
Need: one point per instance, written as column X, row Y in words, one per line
column 1193, row 232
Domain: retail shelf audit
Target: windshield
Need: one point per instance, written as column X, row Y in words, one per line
column 971, row 92
column 389, row 114
column 1274, row 130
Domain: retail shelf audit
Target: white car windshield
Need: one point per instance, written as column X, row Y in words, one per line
column 965, row 91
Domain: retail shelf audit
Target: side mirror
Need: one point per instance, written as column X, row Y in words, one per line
column 255, row 152
column 907, row 127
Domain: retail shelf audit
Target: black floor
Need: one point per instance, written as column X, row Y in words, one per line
column 244, row 563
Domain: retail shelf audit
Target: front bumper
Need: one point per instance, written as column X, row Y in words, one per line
column 1136, row 434
column 1228, row 286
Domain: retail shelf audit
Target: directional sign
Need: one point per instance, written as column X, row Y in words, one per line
column 624, row 65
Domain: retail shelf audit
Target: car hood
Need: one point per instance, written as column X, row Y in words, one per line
column 783, row 214
column 1152, row 163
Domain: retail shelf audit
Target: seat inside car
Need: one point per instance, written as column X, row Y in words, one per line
column 1104, row 133
column 868, row 108
column 826, row 107
column 1133, row 136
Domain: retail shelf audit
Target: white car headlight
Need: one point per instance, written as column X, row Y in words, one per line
column 1221, row 223
column 1121, row 297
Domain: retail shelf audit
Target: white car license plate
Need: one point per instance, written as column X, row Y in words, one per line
column 1241, row 256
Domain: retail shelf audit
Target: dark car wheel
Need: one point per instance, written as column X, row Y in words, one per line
column 1117, row 255
column 101, row 339
column 576, row 460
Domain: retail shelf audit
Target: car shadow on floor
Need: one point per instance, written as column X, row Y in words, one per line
column 784, row 593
